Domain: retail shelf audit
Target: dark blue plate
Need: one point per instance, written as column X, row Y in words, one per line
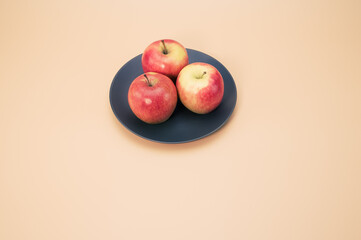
column 183, row 125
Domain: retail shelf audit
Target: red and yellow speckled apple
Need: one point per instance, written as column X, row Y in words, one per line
column 166, row 56
column 152, row 97
column 200, row 87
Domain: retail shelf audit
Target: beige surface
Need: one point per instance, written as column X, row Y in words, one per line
column 286, row 166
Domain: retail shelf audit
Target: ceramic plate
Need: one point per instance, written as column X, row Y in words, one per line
column 183, row 125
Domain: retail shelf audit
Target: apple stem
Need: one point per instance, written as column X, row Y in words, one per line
column 203, row 74
column 165, row 51
column 147, row 80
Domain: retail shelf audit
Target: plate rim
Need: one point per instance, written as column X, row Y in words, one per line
column 182, row 141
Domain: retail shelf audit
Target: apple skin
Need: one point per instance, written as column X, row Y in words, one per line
column 170, row 64
column 152, row 104
column 200, row 87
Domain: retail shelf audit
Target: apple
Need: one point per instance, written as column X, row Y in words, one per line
column 152, row 97
column 166, row 56
column 200, row 87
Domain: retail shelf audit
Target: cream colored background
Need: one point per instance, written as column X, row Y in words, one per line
column 286, row 166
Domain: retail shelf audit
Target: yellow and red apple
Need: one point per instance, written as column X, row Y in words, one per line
column 200, row 87
column 152, row 97
column 166, row 56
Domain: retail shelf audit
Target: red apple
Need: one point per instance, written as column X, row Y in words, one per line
column 200, row 87
column 152, row 97
column 166, row 56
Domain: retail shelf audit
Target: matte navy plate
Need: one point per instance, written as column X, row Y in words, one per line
column 183, row 125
